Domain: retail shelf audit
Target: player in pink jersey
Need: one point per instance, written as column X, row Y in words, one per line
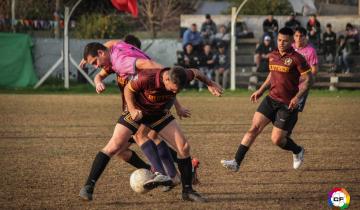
column 302, row 46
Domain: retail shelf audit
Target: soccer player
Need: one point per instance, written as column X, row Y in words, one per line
column 302, row 46
column 281, row 105
column 124, row 59
column 148, row 97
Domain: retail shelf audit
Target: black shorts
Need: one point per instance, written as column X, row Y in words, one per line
column 154, row 122
column 278, row 113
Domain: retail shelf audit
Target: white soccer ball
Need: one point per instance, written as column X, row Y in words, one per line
column 138, row 178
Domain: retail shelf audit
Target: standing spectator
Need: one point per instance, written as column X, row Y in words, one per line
column 192, row 36
column 292, row 22
column 222, row 66
column 314, row 31
column 342, row 56
column 207, row 62
column 352, row 37
column 208, row 29
column 262, row 54
column 189, row 58
column 329, row 43
column 271, row 27
column 222, row 37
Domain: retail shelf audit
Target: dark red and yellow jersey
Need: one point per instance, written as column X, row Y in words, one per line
column 151, row 97
column 285, row 74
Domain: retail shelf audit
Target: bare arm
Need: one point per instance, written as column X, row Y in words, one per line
column 257, row 94
column 99, row 85
column 180, row 110
column 314, row 69
column 213, row 87
column 129, row 95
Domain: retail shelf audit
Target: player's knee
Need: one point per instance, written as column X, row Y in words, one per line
column 113, row 147
column 184, row 150
column 277, row 140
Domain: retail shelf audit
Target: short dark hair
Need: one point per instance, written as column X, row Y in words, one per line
column 133, row 40
column 300, row 29
column 286, row 31
column 92, row 49
column 178, row 76
column 328, row 25
column 207, row 16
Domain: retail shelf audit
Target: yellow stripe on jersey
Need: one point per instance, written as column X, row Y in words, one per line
column 131, row 88
column 306, row 71
column 279, row 68
column 129, row 120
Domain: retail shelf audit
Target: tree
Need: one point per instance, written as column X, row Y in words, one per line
column 155, row 14
column 264, row 7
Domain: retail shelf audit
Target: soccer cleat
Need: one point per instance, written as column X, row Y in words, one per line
column 158, row 180
column 195, row 165
column 192, row 195
column 298, row 159
column 86, row 192
column 230, row 164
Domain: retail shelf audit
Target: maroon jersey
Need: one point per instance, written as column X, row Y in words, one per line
column 285, row 74
column 152, row 98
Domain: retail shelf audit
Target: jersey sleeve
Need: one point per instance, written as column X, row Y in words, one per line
column 301, row 65
column 123, row 64
column 190, row 75
column 313, row 59
column 137, row 84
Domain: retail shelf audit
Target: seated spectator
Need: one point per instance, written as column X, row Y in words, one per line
column 192, row 36
column 222, row 37
column 208, row 29
column 342, row 56
column 352, row 37
column 189, row 58
column 271, row 27
column 292, row 22
column 222, row 66
column 329, row 44
column 262, row 54
column 207, row 63
column 314, row 31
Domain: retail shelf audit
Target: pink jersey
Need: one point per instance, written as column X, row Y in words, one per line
column 123, row 58
column 309, row 54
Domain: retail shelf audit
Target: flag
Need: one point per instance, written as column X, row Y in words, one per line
column 126, row 6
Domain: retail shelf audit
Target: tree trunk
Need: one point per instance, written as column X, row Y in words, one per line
column 57, row 19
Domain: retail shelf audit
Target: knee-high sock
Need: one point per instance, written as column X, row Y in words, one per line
column 98, row 166
column 240, row 154
column 174, row 155
column 137, row 162
column 150, row 150
column 185, row 169
column 291, row 146
column 166, row 158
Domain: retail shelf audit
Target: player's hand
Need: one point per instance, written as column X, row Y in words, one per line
column 294, row 103
column 136, row 114
column 100, row 87
column 255, row 96
column 215, row 89
column 183, row 112
column 82, row 63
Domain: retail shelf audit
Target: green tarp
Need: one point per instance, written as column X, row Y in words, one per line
column 16, row 65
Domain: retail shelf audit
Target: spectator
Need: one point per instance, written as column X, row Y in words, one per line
column 192, row 36
column 314, row 31
column 352, row 38
column 292, row 22
column 222, row 37
column 271, row 27
column 207, row 63
column 342, row 57
column 208, row 29
column 329, row 44
column 262, row 54
column 222, row 66
column 189, row 58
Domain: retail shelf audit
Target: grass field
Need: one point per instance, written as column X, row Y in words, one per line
column 48, row 142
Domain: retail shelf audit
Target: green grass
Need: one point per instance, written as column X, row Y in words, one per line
column 112, row 89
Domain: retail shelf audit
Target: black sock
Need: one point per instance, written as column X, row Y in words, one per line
column 291, row 146
column 137, row 162
column 240, row 154
column 98, row 166
column 174, row 155
column 185, row 169
column 166, row 159
column 150, row 150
